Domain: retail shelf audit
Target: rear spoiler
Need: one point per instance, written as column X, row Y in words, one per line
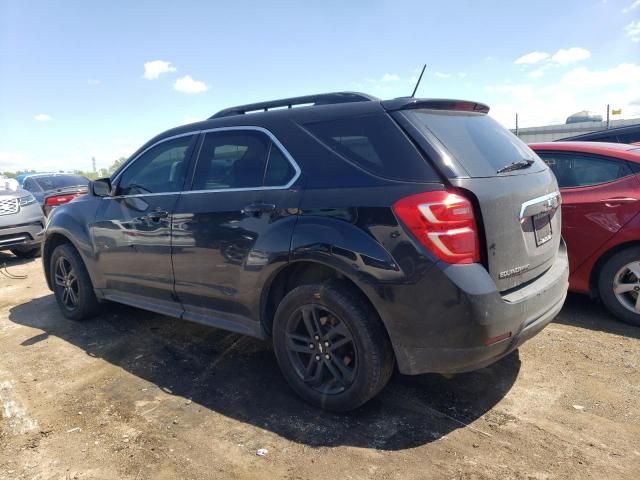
column 408, row 103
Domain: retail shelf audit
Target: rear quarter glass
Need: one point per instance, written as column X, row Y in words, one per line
column 476, row 141
column 375, row 144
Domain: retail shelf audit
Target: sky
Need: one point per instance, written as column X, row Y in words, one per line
column 83, row 79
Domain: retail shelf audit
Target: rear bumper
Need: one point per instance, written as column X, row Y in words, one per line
column 456, row 335
column 415, row 360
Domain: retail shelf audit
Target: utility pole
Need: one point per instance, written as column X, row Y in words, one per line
column 516, row 124
column 608, row 116
column 93, row 161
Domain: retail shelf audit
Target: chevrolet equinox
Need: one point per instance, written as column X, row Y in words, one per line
column 357, row 234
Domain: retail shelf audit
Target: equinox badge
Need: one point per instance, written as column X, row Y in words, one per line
column 513, row 271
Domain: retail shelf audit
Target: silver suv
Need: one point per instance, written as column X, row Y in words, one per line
column 21, row 221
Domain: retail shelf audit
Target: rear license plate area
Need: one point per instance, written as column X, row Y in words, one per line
column 542, row 228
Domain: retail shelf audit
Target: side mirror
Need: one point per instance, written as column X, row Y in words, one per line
column 100, row 187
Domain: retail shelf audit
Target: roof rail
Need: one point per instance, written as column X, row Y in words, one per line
column 320, row 99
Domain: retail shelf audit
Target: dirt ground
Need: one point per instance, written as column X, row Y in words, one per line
column 135, row 395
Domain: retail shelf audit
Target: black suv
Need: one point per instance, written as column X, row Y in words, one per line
column 356, row 233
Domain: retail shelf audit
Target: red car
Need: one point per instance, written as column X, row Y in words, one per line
column 600, row 189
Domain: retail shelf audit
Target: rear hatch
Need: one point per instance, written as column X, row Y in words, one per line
column 516, row 193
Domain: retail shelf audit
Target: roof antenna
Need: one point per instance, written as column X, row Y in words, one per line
column 418, row 82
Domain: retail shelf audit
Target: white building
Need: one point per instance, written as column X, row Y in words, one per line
column 550, row 133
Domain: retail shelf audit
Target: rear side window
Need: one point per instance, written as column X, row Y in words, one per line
column 233, row 159
column 575, row 170
column 376, row 144
column 480, row 144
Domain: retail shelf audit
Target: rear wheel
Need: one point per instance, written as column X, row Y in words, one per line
column 619, row 285
column 71, row 284
column 26, row 253
column 331, row 347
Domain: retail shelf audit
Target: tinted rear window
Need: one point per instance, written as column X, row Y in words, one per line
column 480, row 144
column 574, row 169
column 376, row 144
column 60, row 181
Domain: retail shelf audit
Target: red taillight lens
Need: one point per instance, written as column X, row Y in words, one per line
column 444, row 222
column 59, row 199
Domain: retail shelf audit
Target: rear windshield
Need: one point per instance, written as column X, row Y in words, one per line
column 55, row 182
column 376, row 144
column 480, row 144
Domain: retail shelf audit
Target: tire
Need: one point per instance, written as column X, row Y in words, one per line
column 617, row 273
column 30, row 253
column 65, row 258
column 356, row 361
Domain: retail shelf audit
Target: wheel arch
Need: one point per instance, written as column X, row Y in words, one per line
column 305, row 272
column 51, row 242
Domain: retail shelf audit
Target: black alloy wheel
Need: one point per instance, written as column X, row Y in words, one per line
column 321, row 349
column 332, row 346
column 66, row 280
column 71, row 283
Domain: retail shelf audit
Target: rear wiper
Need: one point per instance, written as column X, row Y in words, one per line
column 516, row 166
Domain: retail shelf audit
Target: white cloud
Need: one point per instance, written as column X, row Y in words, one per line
column 187, row 84
column 634, row 5
column 42, row 117
column 565, row 56
column 68, row 156
column 11, row 161
column 625, row 74
column 633, row 31
column 536, row 73
column 94, row 81
column 531, row 58
column 462, row 74
column 154, row 69
column 442, row 75
column 383, row 86
column 579, row 89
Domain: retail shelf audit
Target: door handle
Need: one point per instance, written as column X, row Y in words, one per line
column 257, row 209
column 617, row 201
column 155, row 216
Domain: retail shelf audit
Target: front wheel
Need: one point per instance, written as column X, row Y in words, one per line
column 71, row 284
column 619, row 285
column 331, row 346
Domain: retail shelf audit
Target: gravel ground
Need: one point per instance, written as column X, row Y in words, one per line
column 135, row 395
